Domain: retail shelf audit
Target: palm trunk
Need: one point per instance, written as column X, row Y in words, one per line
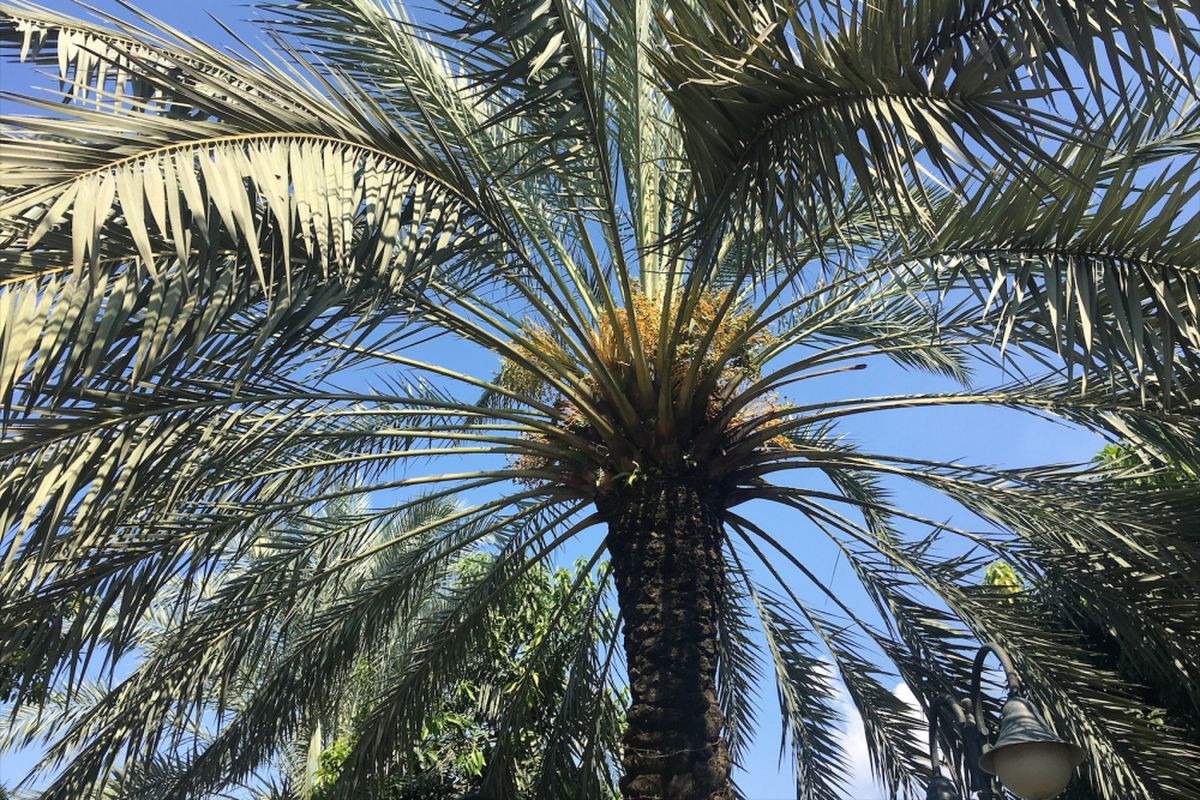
column 664, row 539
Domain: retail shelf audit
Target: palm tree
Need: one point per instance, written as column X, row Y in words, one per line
column 239, row 287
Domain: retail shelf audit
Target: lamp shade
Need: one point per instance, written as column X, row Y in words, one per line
column 942, row 788
column 1028, row 758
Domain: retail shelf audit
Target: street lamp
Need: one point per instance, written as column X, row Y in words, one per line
column 1026, row 756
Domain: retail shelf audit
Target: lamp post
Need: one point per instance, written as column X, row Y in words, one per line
column 1026, row 756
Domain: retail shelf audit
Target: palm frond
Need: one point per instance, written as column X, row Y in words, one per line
column 1111, row 265
column 1068, row 35
column 738, row 667
column 773, row 103
column 896, row 760
column 1084, row 700
column 806, row 700
column 950, row 581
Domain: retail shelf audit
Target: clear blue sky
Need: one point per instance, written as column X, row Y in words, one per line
column 973, row 436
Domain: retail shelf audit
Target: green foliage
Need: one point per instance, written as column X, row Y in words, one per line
column 521, row 660
column 1145, row 469
column 329, row 765
column 1001, row 576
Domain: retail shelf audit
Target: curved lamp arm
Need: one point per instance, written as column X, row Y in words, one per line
column 946, row 701
column 972, row 741
column 1015, row 687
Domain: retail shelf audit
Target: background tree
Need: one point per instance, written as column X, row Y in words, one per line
column 660, row 221
column 559, row 738
column 538, row 648
column 1145, row 468
column 1165, row 702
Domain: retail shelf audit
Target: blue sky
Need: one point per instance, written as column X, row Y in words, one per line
column 974, row 436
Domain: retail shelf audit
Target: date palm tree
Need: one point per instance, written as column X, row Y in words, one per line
column 599, row 267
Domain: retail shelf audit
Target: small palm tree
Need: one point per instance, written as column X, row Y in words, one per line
column 583, row 265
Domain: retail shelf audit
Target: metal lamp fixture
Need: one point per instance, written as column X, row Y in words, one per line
column 1026, row 756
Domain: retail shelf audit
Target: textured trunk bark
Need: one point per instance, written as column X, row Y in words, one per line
column 664, row 540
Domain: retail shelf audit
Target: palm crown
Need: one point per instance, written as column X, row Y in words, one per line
column 662, row 218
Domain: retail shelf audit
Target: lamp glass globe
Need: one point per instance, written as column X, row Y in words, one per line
column 1034, row 770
